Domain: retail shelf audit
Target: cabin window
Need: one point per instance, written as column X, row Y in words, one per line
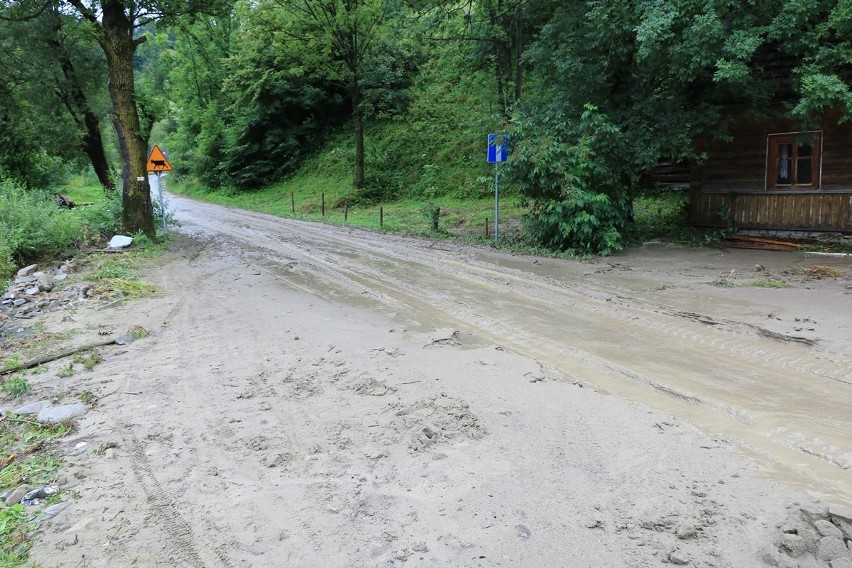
column 793, row 161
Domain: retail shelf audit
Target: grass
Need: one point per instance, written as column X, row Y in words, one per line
column 88, row 359
column 116, row 277
column 66, row 372
column 769, row 283
column 15, row 386
column 23, row 446
column 662, row 215
column 659, row 215
column 302, row 197
column 15, row 525
column 26, row 438
column 819, row 271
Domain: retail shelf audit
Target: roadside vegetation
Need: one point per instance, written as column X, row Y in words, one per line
column 34, row 227
column 269, row 105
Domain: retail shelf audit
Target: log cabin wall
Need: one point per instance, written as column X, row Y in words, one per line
column 730, row 186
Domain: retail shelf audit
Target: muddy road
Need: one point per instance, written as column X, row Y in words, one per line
column 768, row 369
column 325, row 396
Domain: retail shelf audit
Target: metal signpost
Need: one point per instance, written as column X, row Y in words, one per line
column 158, row 163
column 498, row 150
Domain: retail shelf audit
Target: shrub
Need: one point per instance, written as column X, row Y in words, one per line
column 32, row 226
column 578, row 200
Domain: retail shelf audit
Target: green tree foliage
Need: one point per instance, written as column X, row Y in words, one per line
column 659, row 76
column 33, row 227
column 279, row 101
column 53, row 96
column 346, row 42
column 200, row 113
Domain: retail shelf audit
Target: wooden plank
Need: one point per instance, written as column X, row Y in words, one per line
column 835, row 211
column 785, row 211
column 751, row 208
column 775, row 218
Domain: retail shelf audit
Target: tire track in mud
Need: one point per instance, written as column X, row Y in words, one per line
column 595, row 330
column 737, row 339
column 183, row 544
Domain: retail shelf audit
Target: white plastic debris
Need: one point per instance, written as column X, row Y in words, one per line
column 120, row 241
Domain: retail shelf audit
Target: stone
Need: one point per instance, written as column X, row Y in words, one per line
column 32, row 291
column 19, row 302
column 678, row 557
column 685, row 531
column 276, row 460
column 831, row 548
column 27, row 270
column 840, row 512
column 53, row 510
column 80, row 525
column 826, row 528
column 793, row 544
column 841, row 563
column 41, row 492
column 15, row 497
column 842, row 517
column 45, row 282
column 813, row 512
column 57, row 414
column 32, row 408
column 125, row 339
column 807, row 560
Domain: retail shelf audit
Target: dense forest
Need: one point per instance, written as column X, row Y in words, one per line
column 400, row 94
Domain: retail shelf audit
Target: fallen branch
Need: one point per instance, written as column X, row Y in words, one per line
column 54, row 356
column 9, row 459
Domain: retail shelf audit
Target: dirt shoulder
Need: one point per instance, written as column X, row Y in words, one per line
column 278, row 415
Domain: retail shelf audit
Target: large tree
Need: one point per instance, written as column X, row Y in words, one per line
column 49, row 65
column 343, row 39
column 117, row 26
column 71, row 89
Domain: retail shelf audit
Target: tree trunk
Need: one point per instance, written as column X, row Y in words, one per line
column 77, row 103
column 519, row 50
column 358, row 118
column 93, row 146
column 117, row 41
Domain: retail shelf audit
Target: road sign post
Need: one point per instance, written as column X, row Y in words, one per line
column 157, row 164
column 162, row 203
column 498, row 150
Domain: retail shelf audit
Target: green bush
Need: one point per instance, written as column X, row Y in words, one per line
column 32, row 226
column 563, row 170
column 585, row 222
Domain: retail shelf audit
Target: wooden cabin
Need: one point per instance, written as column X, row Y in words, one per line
column 772, row 175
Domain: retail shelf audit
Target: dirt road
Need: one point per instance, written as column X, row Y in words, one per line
column 326, row 396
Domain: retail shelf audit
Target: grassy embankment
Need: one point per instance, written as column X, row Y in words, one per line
column 465, row 203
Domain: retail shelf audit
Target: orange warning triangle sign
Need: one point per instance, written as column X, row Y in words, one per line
column 157, row 161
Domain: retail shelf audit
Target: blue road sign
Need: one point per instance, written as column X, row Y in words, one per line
column 498, row 148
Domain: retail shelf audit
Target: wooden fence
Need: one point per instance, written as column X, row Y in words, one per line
column 792, row 211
